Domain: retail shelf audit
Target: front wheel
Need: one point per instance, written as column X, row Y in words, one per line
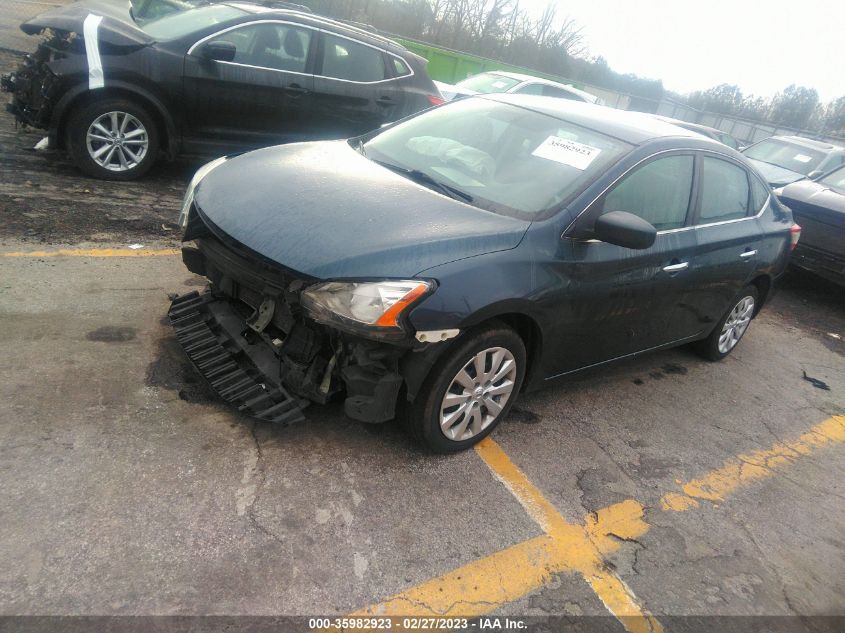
column 112, row 139
column 732, row 327
column 469, row 391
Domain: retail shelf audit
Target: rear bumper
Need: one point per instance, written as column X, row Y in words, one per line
column 821, row 263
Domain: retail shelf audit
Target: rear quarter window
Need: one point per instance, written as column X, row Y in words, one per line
column 400, row 68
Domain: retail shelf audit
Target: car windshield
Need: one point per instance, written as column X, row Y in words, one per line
column 500, row 157
column 835, row 180
column 177, row 25
column 790, row 156
column 488, row 82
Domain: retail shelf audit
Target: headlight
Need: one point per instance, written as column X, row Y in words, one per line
column 188, row 200
column 377, row 304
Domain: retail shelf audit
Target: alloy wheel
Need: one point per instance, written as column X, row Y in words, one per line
column 478, row 394
column 117, row 141
column 736, row 324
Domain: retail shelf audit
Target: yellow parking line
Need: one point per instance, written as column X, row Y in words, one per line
column 485, row 584
column 96, row 252
column 577, row 544
column 746, row 468
column 480, row 586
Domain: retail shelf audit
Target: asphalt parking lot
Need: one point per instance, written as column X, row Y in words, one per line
column 662, row 487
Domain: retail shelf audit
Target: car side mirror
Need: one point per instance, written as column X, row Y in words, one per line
column 219, row 51
column 624, row 229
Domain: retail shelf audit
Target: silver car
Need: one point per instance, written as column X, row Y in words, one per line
column 513, row 83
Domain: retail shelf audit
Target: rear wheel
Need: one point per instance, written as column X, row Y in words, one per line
column 469, row 391
column 112, row 139
column 732, row 327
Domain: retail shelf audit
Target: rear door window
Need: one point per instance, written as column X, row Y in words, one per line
column 759, row 195
column 351, row 61
column 658, row 192
column 724, row 191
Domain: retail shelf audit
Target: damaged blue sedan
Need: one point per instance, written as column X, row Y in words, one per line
column 436, row 268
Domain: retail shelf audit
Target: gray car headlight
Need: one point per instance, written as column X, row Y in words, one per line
column 371, row 304
column 188, row 200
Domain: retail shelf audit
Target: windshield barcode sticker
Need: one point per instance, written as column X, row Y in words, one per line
column 570, row 153
column 803, row 158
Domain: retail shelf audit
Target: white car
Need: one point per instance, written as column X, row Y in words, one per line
column 516, row 83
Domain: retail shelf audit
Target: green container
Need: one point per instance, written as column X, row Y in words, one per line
column 451, row 66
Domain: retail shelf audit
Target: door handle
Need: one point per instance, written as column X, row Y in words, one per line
column 385, row 101
column 747, row 254
column 675, row 268
column 295, row 90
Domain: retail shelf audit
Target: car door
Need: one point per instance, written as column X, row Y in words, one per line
column 258, row 98
column 355, row 88
column 727, row 233
column 617, row 301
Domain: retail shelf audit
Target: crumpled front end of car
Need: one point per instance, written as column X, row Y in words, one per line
column 34, row 86
column 264, row 351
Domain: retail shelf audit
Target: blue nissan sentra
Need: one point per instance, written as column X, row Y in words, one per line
column 436, row 268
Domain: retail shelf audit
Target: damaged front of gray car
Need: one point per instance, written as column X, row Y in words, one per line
column 312, row 278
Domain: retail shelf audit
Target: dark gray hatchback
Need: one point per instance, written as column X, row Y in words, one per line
column 445, row 263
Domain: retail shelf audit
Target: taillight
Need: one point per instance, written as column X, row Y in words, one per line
column 435, row 100
column 794, row 236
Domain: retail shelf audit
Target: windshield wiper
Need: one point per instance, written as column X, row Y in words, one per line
column 423, row 178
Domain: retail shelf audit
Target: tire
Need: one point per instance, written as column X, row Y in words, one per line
column 498, row 344
column 130, row 152
column 713, row 348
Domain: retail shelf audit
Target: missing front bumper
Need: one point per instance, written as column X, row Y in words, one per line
column 209, row 331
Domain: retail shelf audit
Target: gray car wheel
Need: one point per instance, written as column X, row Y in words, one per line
column 470, row 389
column 112, row 139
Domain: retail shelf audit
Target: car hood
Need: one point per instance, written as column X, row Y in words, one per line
column 813, row 193
column 776, row 176
column 117, row 27
column 323, row 210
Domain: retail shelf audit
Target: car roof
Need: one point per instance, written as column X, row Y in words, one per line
column 542, row 80
column 810, row 143
column 689, row 125
column 314, row 19
column 632, row 127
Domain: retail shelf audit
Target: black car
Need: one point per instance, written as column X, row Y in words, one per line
column 443, row 264
column 786, row 159
column 117, row 93
column 819, row 207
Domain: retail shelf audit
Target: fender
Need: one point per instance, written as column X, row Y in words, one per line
column 64, row 104
column 416, row 365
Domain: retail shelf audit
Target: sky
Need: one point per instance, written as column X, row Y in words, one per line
column 761, row 46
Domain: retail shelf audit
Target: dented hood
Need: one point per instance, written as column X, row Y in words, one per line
column 117, row 28
column 324, row 210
